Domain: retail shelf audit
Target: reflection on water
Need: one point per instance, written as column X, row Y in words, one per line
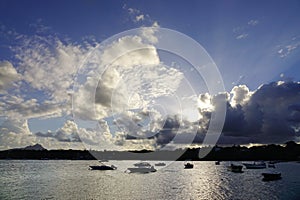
column 52, row 179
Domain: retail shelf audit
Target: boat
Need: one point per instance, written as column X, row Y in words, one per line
column 160, row 164
column 235, row 168
column 217, row 163
column 102, row 167
column 142, row 167
column 103, row 160
column 188, row 165
column 142, row 164
column 271, row 176
column 271, row 165
column 255, row 165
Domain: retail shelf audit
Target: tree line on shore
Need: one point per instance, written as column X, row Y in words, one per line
column 288, row 152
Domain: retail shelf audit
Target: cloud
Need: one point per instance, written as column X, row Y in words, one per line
column 49, row 64
column 265, row 115
column 253, row 22
column 129, row 51
column 68, row 133
column 290, row 46
column 15, row 133
column 148, row 33
column 8, row 76
column 242, row 32
column 137, row 16
column 270, row 114
column 18, row 107
column 242, row 36
column 129, row 75
column 241, row 95
column 140, row 18
column 42, row 77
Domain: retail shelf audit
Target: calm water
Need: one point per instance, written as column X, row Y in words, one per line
column 52, row 179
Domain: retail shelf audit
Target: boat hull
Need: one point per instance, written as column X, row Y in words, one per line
column 271, row 176
column 160, row 164
column 96, row 167
column 254, row 166
column 235, row 168
column 141, row 170
column 188, row 166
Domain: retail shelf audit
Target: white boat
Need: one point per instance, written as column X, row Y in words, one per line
column 141, row 167
column 255, row 165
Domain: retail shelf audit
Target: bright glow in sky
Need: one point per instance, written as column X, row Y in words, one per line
column 255, row 45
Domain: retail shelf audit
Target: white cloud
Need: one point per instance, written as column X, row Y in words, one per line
column 148, row 33
column 15, row 133
column 18, row 107
column 128, row 76
column 140, row 18
column 129, row 51
column 133, row 10
column 240, row 95
column 8, row 76
column 253, row 22
column 242, row 32
column 49, row 65
column 288, row 49
column 242, row 36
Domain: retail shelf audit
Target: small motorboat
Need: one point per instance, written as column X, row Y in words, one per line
column 103, row 160
column 271, row 176
column 188, row 165
column 235, row 168
column 141, row 169
column 102, row 167
column 271, row 165
column 255, row 165
column 160, row 164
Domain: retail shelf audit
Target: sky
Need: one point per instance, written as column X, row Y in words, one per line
column 72, row 77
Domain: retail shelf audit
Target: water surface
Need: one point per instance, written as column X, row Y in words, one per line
column 61, row 179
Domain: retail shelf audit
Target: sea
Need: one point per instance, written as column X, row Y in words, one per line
column 66, row 179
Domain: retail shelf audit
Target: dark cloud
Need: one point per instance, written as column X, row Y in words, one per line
column 270, row 115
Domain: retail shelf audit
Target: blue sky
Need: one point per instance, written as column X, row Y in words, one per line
column 214, row 24
column 252, row 43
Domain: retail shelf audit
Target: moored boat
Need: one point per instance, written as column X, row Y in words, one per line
column 142, row 164
column 141, row 167
column 188, row 165
column 160, row 164
column 102, row 167
column 235, row 168
column 271, row 176
column 255, row 165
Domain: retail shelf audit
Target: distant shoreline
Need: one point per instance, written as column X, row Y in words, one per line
column 291, row 152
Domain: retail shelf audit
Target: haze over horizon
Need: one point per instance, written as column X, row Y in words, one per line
column 56, row 91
